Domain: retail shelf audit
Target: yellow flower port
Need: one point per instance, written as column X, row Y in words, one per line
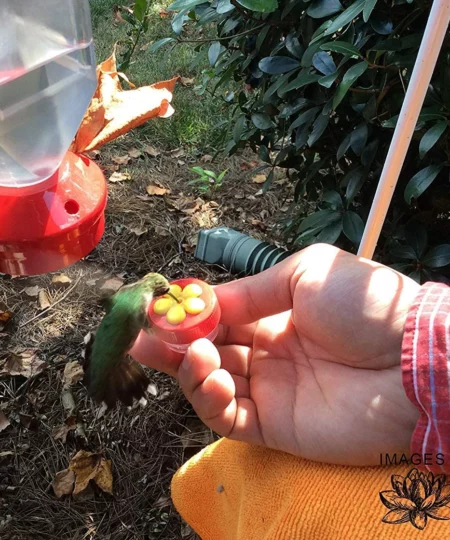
column 178, row 303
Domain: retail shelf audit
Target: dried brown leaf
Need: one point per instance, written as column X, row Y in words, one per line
column 177, row 153
column 61, row 279
column 259, row 179
column 153, row 189
column 151, row 151
column 135, row 153
column 206, row 158
column 28, row 421
column 44, row 300
column 247, row 165
column 114, row 111
column 4, row 422
column 163, row 14
column 5, row 317
column 73, row 373
column 139, row 231
column 161, row 231
column 63, row 483
column 88, row 466
column 121, row 160
column 26, row 363
column 144, row 47
column 111, row 285
column 184, row 81
column 32, row 291
column 119, row 177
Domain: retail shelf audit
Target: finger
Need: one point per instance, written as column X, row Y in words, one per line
column 238, row 335
column 236, row 359
column 152, row 352
column 249, row 299
column 201, row 359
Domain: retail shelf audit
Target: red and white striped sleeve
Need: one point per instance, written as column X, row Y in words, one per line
column 426, row 374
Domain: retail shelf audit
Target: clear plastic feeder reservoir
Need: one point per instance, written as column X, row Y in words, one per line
column 51, row 201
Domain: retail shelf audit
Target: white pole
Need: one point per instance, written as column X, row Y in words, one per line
column 420, row 79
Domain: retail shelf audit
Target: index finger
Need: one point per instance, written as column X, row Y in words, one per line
column 252, row 298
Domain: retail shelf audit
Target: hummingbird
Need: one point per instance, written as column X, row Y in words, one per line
column 110, row 374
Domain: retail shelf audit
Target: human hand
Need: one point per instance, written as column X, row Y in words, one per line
column 307, row 360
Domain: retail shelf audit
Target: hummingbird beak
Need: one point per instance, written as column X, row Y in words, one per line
column 161, row 291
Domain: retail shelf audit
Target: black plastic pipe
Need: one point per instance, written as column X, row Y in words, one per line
column 237, row 252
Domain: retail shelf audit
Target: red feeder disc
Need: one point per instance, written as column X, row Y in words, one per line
column 55, row 223
column 194, row 326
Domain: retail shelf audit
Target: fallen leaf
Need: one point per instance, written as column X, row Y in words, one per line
column 151, row 151
column 163, row 13
column 28, row 421
column 184, row 81
column 111, row 285
column 121, row 160
column 7, row 453
column 60, row 433
column 61, row 279
column 91, row 282
column 5, row 317
column 161, row 231
column 134, row 153
column 4, row 422
column 73, row 372
column 25, row 363
column 247, row 165
column 206, row 158
column 153, row 189
column 177, row 153
column 259, row 193
column 139, row 231
column 144, row 47
column 88, row 466
column 119, row 177
column 32, row 291
column 118, row 16
column 259, row 179
column 114, row 111
column 44, row 300
column 152, row 390
column 63, row 483
column 162, row 502
column 181, row 162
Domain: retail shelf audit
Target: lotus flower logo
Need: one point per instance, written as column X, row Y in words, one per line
column 416, row 498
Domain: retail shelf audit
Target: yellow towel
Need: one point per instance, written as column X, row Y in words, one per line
column 235, row 491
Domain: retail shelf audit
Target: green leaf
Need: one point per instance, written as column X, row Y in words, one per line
column 421, row 181
column 438, row 256
column 238, row 129
column 330, row 233
column 303, row 79
column 403, row 252
column 320, row 219
column 178, row 20
column 417, row 237
column 262, row 121
column 355, row 179
column 264, row 153
column 140, row 7
column 261, row 6
column 347, row 16
column 431, row 137
column 341, row 47
column 224, row 6
column 358, row 138
column 268, row 182
column 368, row 8
column 160, row 43
column 334, row 199
column 324, row 63
column 416, row 276
column 305, row 117
column 184, row 4
column 279, row 82
column 347, row 80
column 328, row 80
column 344, row 146
column 198, row 170
column 353, row 227
column 293, row 46
column 369, row 153
column 262, row 34
column 213, row 52
column 323, row 8
column 319, row 126
column 275, row 65
column 290, row 109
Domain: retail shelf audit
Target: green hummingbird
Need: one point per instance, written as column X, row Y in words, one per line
column 110, row 374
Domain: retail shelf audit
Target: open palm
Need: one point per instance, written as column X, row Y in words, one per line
column 308, row 359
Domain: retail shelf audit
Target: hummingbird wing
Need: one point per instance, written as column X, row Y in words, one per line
column 110, row 374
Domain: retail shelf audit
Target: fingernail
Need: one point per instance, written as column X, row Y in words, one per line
column 187, row 361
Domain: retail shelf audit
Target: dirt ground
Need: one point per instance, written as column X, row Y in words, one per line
column 44, row 422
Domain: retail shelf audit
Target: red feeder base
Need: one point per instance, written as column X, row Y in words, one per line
column 53, row 224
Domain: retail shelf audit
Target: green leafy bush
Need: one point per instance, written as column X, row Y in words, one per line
column 317, row 90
